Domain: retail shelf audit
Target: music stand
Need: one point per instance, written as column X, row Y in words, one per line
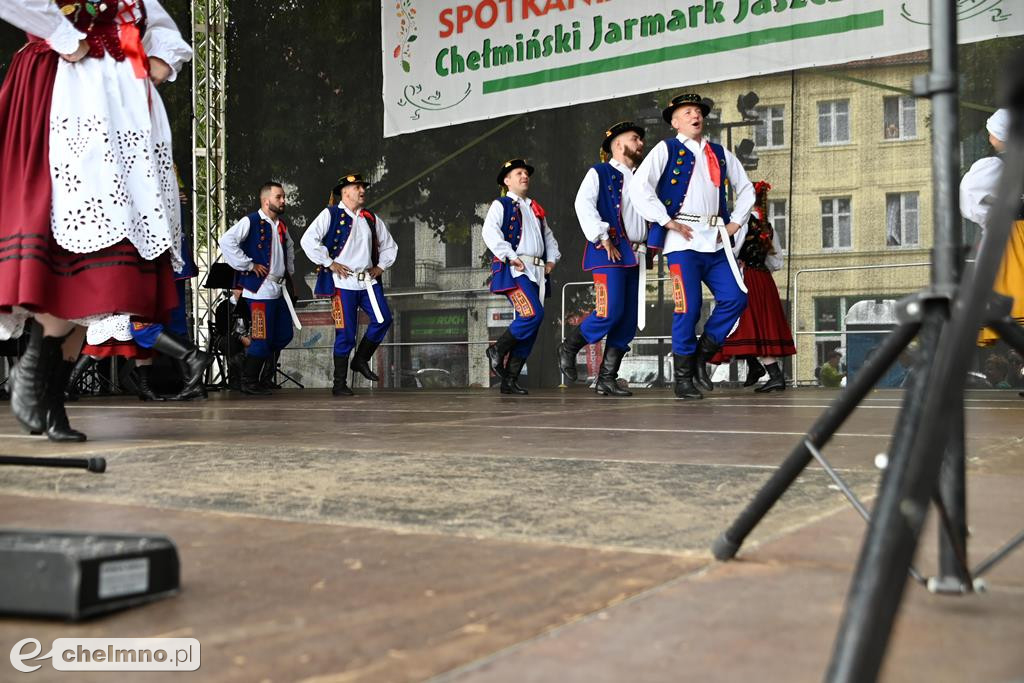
column 221, row 277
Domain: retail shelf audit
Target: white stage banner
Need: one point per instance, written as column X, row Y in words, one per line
column 452, row 61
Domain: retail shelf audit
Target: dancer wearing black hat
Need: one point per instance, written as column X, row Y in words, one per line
column 525, row 251
column 681, row 188
column 260, row 248
column 615, row 256
column 352, row 248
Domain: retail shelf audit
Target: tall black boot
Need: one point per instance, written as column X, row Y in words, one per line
column 341, row 387
column 29, row 379
column 146, row 393
column 755, row 371
column 510, row 382
column 57, row 426
column 776, row 380
column 251, row 377
column 268, row 371
column 82, row 366
column 607, row 378
column 683, row 371
column 706, row 349
column 361, row 359
column 567, row 351
column 196, row 360
column 198, row 392
column 498, row 350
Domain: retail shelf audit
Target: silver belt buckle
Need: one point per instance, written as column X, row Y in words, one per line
column 361, row 277
column 714, row 221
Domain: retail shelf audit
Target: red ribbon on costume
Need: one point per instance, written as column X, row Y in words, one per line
column 131, row 44
column 713, row 168
column 538, row 210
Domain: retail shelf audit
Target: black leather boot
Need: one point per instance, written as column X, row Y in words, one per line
column 82, row 366
column 706, row 349
column 198, row 392
column 57, row 426
column 497, row 351
column 607, row 384
column 755, row 371
column 30, row 377
column 251, row 377
column 361, row 359
column 776, row 380
column 567, row 351
column 196, row 361
column 683, row 371
column 341, row 387
column 146, row 393
column 510, row 382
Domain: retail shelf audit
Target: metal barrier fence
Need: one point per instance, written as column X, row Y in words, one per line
column 313, row 305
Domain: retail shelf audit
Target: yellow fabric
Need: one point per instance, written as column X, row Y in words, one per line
column 1010, row 280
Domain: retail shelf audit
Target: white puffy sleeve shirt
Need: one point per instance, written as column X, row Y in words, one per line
column 594, row 227
column 537, row 240
column 356, row 255
column 978, row 189
column 701, row 196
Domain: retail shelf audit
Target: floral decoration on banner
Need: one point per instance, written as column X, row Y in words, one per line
column 413, row 97
column 406, row 33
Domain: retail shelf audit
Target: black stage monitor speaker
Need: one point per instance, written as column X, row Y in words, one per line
column 73, row 575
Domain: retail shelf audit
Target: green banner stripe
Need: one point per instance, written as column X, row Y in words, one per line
column 853, row 22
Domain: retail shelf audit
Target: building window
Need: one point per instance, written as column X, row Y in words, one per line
column 901, row 220
column 834, row 122
column 899, row 118
column 714, row 131
column 778, row 217
column 836, row 225
column 458, row 246
column 771, row 131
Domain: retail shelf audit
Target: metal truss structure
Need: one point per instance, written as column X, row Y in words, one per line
column 209, row 182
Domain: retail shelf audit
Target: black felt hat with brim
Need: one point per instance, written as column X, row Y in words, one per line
column 683, row 100
column 511, row 165
column 617, row 130
column 350, row 179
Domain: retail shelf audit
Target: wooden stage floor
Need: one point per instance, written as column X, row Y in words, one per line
column 470, row 537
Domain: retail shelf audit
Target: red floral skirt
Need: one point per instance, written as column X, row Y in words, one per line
column 763, row 328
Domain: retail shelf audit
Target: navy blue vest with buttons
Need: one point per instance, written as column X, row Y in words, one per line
column 502, row 279
column 609, row 206
column 338, row 232
column 675, row 181
column 256, row 246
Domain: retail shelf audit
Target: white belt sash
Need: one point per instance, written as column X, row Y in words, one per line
column 287, row 300
column 640, row 249
column 717, row 222
column 371, row 294
column 542, row 279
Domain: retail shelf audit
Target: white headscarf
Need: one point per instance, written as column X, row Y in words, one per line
column 999, row 124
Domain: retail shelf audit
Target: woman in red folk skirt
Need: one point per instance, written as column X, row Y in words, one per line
column 90, row 224
column 763, row 335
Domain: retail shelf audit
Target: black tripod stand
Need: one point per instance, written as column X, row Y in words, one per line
column 926, row 456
